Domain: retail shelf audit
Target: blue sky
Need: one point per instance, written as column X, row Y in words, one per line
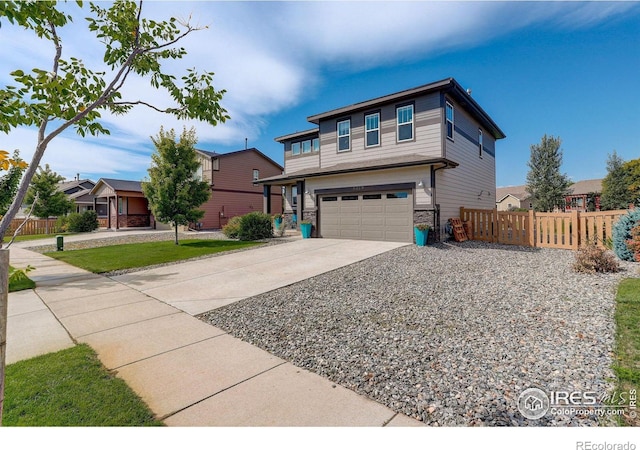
column 568, row 69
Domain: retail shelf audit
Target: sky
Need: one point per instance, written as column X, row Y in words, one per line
column 566, row 69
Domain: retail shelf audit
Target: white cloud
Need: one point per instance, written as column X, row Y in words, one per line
column 267, row 56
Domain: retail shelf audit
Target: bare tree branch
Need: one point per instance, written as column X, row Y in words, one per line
column 19, row 229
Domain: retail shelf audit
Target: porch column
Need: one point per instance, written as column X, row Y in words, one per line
column 117, row 213
column 300, row 205
column 266, row 198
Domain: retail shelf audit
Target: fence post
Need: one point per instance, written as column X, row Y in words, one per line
column 575, row 232
column 532, row 230
column 495, row 232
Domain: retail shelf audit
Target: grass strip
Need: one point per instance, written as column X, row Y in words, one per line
column 627, row 349
column 70, row 388
column 128, row 256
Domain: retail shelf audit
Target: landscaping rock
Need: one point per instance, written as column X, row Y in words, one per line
column 450, row 334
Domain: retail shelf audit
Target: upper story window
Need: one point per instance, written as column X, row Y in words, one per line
column 405, row 123
column 450, row 120
column 306, row 146
column 480, row 143
column 344, row 135
column 256, row 175
column 315, row 143
column 372, row 129
column 295, row 148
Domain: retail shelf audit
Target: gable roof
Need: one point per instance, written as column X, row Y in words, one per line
column 519, row 192
column 76, row 185
column 118, row 185
column 215, row 155
column 448, row 85
column 586, row 187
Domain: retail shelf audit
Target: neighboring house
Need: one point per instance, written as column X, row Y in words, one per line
column 126, row 205
column 373, row 169
column 513, row 197
column 79, row 192
column 584, row 196
column 234, row 190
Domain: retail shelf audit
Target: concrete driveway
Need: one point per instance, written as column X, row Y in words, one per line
column 199, row 286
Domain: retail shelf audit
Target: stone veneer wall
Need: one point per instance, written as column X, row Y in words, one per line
column 311, row 216
column 428, row 216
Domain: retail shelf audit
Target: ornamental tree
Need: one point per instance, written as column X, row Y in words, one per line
column 50, row 200
column 546, row 185
column 68, row 95
column 174, row 191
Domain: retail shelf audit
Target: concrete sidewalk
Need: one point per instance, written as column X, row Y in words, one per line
column 188, row 372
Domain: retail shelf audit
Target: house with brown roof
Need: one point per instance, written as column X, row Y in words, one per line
column 372, row 169
column 127, row 206
column 584, row 196
column 79, row 192
column 234, row 189
column 513, row 197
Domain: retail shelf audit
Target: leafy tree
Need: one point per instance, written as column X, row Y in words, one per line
column 51, row 201
column 173, row 190
column 632, row 177
column 615, row 187
column 546, row 185
column 9, row 182
column 68, row 95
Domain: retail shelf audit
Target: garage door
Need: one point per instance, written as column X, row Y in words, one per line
column 380, row 216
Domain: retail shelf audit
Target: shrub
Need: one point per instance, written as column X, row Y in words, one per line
column 593, row 259
column 621, row 234
column 254, row 226
column 634, row 243
column 232, row 228
column 62, row 224
column 82, row 223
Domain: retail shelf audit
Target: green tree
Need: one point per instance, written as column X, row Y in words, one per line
column 632, row 177
column 50, row 201
column 615, row 187
column 546, row 185
column 68, row 95
column 173, row 190
column 9, row 182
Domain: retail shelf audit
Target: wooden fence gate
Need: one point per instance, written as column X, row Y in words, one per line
column 534, row 229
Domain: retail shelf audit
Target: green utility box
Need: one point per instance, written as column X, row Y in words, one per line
column 60, row 243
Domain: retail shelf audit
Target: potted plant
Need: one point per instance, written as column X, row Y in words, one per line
column 305, row 227
column 277, row 220
column 421, row 231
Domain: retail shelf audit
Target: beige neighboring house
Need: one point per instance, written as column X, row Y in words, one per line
column 373, row 169
column 512, row 197
column 79, row 192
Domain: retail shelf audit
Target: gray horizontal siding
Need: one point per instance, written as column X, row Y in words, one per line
column 427, row 134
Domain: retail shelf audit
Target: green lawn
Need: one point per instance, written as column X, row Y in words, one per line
column 627, row 351
column 33, row 237
column 127, row 256
column 20, row 283
column 70, row 388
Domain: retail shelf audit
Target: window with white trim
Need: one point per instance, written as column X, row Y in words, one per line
column 404, row 116
column 315, row 143
column 344, row 135
column 256, row 175
column 372, row 129
column 450, row 120
column 294, row 196
column 295, row 148
column 306, row 146
column 480, row 143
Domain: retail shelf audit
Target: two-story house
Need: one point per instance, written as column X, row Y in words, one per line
column 234, row 188
column 373, row 169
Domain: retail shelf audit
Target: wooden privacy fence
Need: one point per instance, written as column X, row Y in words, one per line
column 33, row 226
column 534, row 229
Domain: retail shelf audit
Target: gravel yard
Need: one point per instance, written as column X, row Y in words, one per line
column 450, row 334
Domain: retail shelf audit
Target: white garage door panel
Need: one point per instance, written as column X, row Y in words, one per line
column 385, row 216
